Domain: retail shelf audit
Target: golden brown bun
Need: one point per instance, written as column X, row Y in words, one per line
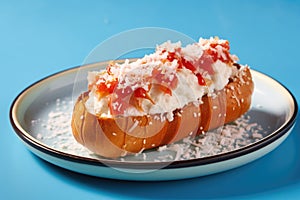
column 119, row 136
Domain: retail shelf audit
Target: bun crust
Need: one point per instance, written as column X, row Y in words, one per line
column 120, row 136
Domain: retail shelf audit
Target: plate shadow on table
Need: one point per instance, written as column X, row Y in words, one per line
column 279, row 169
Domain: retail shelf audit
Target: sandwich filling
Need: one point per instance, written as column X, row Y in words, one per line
column 159, row 83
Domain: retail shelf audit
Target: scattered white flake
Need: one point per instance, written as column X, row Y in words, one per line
column 192, row 52
column 232, row 136
column 134, row 125
column 257, row 135
column 162, row 148
column 169, row 46
column 58, row 134
column 39, row 136
column 195, row 114
column 144, row 156
column 170, row 116
column 178, row 150
column 259, row 106
column 156, row 117
column 55, row 131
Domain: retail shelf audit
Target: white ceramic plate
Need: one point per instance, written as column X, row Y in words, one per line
column 41, row 115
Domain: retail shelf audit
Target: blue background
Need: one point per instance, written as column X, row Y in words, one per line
column 39, row 38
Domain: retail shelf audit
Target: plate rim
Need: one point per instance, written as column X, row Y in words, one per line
column 34, row 143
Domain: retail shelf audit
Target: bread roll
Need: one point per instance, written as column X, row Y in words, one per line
column 118, row 134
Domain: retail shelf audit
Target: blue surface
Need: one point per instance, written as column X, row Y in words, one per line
column 38, row 38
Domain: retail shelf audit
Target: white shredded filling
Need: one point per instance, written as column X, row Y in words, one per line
column 135, row 75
